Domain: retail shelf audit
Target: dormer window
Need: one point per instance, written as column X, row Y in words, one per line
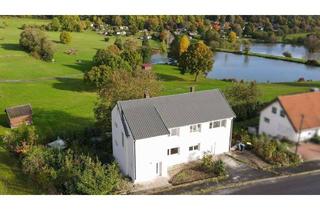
column 175, row 132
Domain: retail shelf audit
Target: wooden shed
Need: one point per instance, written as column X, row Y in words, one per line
column 146, row 66
column 19, row 115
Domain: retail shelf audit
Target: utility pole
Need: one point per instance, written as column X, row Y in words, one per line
column 300, row 128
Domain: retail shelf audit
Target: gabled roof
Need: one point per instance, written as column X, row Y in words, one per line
column 149, row 117
column 17, row 111
column 307, row 104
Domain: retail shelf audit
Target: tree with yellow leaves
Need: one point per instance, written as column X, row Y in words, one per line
column 232, row 37
column 183, row 44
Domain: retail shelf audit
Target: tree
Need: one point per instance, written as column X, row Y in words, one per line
column 65, row 37
column 119, row 43
column 232, row 37
column 37, row 43
column 237, row 29
column 123, row 85
column 71, row 23
column 55, row 24
column 244, row 99
column 246, row 44
column 211, row 35
column 198, row 59
column 131, row 44
column 174, row 49
column 183, row 44
column 133, row 57
column 146, row 51
column 312, row 43
column 98, row 75
column 109, row 58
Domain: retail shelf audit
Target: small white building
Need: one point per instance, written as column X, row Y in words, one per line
column 150, row 135
column 292, row 115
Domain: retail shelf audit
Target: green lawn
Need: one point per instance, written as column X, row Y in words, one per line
column 12, row 180
column 62, row 101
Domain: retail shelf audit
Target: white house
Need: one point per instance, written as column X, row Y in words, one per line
column 151, row 134
column 292, row 116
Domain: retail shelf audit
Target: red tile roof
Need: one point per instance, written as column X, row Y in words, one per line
column 307, row 104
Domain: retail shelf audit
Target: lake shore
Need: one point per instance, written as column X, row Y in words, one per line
column 274, row 57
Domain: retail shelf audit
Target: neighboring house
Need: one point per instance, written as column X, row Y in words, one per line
column 151, row 134
column 292, row 116
column 18, row 115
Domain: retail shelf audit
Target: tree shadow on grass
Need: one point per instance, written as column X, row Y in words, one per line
column 3, row 120
column 167, row 77
column 53, row 123
column 73, row 84
column 10, row 46
column 81, row 65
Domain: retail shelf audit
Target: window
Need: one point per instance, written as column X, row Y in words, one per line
column 195, row 128
column 274, row 110
column 173, row 151
column 223, row 123
column 196, row 147
column 210, row 125
column 216, row 124
column 122, row 139
column 175, row 132
column 282, row 114
column 267, row 120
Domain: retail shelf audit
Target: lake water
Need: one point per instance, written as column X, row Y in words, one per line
column 241, row 67
column 278, row 49
column 249, row 68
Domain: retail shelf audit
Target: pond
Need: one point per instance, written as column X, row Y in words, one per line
column 278, row 50
column 241, row 67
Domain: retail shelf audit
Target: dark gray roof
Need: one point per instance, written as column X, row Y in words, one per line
column 17, row 111
column 149, row 117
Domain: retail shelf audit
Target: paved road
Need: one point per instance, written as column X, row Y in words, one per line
column 300, row 185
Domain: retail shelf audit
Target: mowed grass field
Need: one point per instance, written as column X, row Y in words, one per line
column 61, row 101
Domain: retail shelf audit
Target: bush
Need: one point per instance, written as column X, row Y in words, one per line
column 65, row 37
column 287, row 54
column 21, row 140
column 273, row 152
column 315, row 139
column 37, row 43
column 106, row 39
column 207, row 162
column 219, row 168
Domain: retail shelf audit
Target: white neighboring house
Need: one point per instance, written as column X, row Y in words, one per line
column 151, row 134
column 292, row 116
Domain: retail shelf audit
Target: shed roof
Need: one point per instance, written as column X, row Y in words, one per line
column 149, row 117
column 17, row 111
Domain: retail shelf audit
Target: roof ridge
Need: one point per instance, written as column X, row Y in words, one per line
column 160, row 117
column 172, row 95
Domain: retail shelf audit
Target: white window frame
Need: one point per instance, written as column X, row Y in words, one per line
column 194, row 148
column 223, row 123
column 175, row 132
column 217, row 121
column 274, row 108
column 282, row 114
column 169, row 151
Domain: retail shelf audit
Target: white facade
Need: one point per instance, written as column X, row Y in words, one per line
column 274, row 124
column 146, row 159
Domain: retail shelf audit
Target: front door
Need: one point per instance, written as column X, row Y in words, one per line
column 159, row 168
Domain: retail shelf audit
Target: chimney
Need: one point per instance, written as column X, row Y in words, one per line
column 146, row 94
column 192, row 89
